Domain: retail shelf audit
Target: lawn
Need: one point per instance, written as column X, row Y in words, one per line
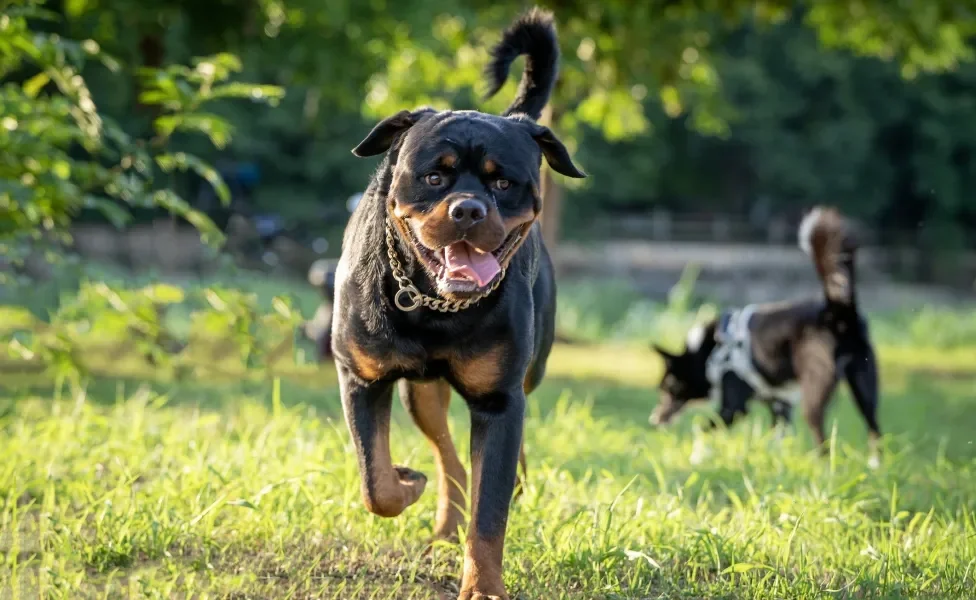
column 250, row 490
column 246, row 486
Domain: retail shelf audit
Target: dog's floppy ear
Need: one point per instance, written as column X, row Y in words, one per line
column 555, row 152
column 386, row 131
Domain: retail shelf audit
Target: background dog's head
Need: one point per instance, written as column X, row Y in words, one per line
column 465, row 185
column 685, row 377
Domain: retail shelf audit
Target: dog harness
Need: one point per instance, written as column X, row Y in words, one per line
column 733, row 353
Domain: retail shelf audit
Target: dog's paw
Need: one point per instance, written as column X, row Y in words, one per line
column 412, row 483
column 408, row 476
column 394, row 492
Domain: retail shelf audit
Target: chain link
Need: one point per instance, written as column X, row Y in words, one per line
column 408, row 298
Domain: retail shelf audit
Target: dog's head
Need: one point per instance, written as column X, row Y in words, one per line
column 685, row 378
column 465, row 188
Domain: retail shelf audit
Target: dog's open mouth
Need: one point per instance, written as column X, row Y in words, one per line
column 460, row 268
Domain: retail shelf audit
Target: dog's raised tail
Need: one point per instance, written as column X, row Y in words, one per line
column 534, row 35
column 828, row 239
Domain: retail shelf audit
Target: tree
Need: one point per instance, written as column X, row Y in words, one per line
column 631, row 73
column 617, row 54
column 59, row 154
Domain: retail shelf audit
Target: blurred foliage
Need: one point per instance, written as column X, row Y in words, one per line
column 59, row 154
column 705, row 106
column 227, row 331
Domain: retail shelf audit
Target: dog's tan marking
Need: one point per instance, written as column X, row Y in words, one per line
column 448, row 161
column 427, row 403
column 371, row 367
column 481, row 373
column 436, row 227
column 528, row 383
column 517, row 220
column 482, row 576
column 403, row 211
column 489, row 167
column 365, row 365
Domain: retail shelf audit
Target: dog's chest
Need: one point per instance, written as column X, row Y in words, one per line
column 733, row 354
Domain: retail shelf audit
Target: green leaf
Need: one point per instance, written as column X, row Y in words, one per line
column 162, row 293
column 74, row 8
column 34, row 85
column 282, row 307
column 17, row 350
column 111, row 209
column 259, row 93
column 243, row 503
column 15, row 318
column 182, row 161
column 745, row 568
column 214, row 127
column 172, row 202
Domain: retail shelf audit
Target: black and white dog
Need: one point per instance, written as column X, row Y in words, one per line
column 784, row 353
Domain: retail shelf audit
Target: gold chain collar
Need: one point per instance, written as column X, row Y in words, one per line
column 408, row 298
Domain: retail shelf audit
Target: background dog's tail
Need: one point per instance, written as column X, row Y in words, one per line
column 534, row 35
column 827, row 238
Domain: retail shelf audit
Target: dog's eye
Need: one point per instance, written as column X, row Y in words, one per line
column 434, row 179
column 501, row 184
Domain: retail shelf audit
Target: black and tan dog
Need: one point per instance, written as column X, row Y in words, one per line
column 444, row 282
column 787, row 353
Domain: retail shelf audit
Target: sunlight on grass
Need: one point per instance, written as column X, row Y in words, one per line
column 228, row 483
column 232, row 491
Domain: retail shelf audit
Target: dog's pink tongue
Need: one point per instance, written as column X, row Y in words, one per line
column 464, row 260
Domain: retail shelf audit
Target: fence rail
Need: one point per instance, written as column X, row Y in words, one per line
column 635, row 243
column 900, row 253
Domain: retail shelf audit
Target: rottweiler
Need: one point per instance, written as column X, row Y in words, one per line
column 785, row 353
column 443, row 283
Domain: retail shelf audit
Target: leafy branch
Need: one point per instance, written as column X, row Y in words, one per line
column 224, row 330
column 59, row 155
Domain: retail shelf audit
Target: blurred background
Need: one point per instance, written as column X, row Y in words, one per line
column 707, row 130
column 171, row 169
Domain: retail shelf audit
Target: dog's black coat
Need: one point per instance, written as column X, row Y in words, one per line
column 812, row 343
column 375, row 344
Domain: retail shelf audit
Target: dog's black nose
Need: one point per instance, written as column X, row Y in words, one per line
column 468, row 212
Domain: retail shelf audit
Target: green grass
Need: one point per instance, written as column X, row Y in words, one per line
column 236, row 490
column 231, row 487
column 610, row 310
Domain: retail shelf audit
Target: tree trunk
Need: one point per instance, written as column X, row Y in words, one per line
column 552, row 196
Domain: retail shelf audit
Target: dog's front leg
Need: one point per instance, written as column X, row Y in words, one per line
column 386, row 489
column 782, row 416
column 733, row 402
column 496, row 437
